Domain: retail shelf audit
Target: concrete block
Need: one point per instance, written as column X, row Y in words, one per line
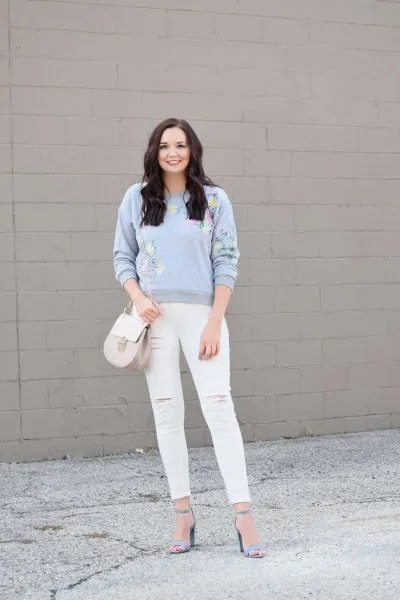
column 349, row 403
column 271, row 271
column 190, row 24
column 321, row 378
column 323, row 426
column 8, row 366
column 197, row 437
column 252, row 354
column 6, row 246
column 251, row 300
column 257, row 409
column 10, row 426
column 343, row 351
column 277, row 380
column 300, row 406
column 276, row 431
column 239, row 28
column 5, row 158
column 4, row 71
column 298, row 352
column 9, row 396
column 5, row 129
column 8, row 304
column 240, row 328
column 7, row 277
column 274, row 326
column 194, row 415
column 24, row 451
column 295, row 298
column 242, row 383
column 368, row 423
column 6, row 195
column 128, row 442
column 8, row 336
column 4, row 100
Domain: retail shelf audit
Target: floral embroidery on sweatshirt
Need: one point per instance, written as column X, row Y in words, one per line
column 212, row 201
column 205, row 225
column 148, row 261
column 173, row 209
column 225, row 242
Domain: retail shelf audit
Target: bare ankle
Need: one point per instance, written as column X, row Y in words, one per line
column 182, row 503
column 241, row 505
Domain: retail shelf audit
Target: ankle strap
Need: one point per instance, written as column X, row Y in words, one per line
column 183, row 511
column 243, row 512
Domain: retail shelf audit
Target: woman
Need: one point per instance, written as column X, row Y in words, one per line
column 175, row 254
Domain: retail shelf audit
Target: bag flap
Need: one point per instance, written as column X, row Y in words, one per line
column 129, row 326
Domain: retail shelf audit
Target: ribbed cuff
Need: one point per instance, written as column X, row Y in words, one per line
column 225, row 279
column 125, row 275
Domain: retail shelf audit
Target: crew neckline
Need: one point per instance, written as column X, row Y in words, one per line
column 176, row 197
column 176, row 193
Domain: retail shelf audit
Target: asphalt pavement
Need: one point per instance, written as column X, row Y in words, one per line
column 328, row 508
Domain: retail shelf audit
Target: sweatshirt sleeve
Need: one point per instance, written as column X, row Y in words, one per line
column 224, row 250
column 125, row 244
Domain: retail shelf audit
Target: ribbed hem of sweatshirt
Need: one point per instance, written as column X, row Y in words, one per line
column 190, row 296
column 228, row 280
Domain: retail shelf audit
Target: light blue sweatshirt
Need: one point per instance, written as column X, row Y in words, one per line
column 180, row 260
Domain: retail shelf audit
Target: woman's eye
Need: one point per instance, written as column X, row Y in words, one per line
column 178, row 146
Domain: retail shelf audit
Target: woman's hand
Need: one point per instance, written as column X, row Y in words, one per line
column 149, row 310
column 210, row 339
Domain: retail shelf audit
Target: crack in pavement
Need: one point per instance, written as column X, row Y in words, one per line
column 82, row 580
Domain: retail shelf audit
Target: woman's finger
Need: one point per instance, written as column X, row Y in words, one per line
column 149, row 316
column 152, row 313
column 201, row 350
column 208, row 352
column 159, row 307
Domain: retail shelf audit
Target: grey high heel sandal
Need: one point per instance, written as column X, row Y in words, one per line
column 185, row 545
column 251, row 547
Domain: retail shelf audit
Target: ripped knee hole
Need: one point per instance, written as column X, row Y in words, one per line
column 218, row 397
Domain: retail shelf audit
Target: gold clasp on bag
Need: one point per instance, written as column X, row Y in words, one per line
column 122, row 344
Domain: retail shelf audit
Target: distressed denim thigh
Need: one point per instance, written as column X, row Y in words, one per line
column 163, row 373
column 212, row 376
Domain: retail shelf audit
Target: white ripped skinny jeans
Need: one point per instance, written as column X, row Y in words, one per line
column 184, row 322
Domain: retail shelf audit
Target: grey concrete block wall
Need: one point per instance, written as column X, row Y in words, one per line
column 298, row 106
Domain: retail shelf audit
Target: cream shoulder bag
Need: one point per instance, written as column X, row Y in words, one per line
column 129, row 342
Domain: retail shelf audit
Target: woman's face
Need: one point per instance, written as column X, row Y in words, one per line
column 173, row 152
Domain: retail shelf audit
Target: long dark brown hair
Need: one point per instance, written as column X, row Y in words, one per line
column 153, row 205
